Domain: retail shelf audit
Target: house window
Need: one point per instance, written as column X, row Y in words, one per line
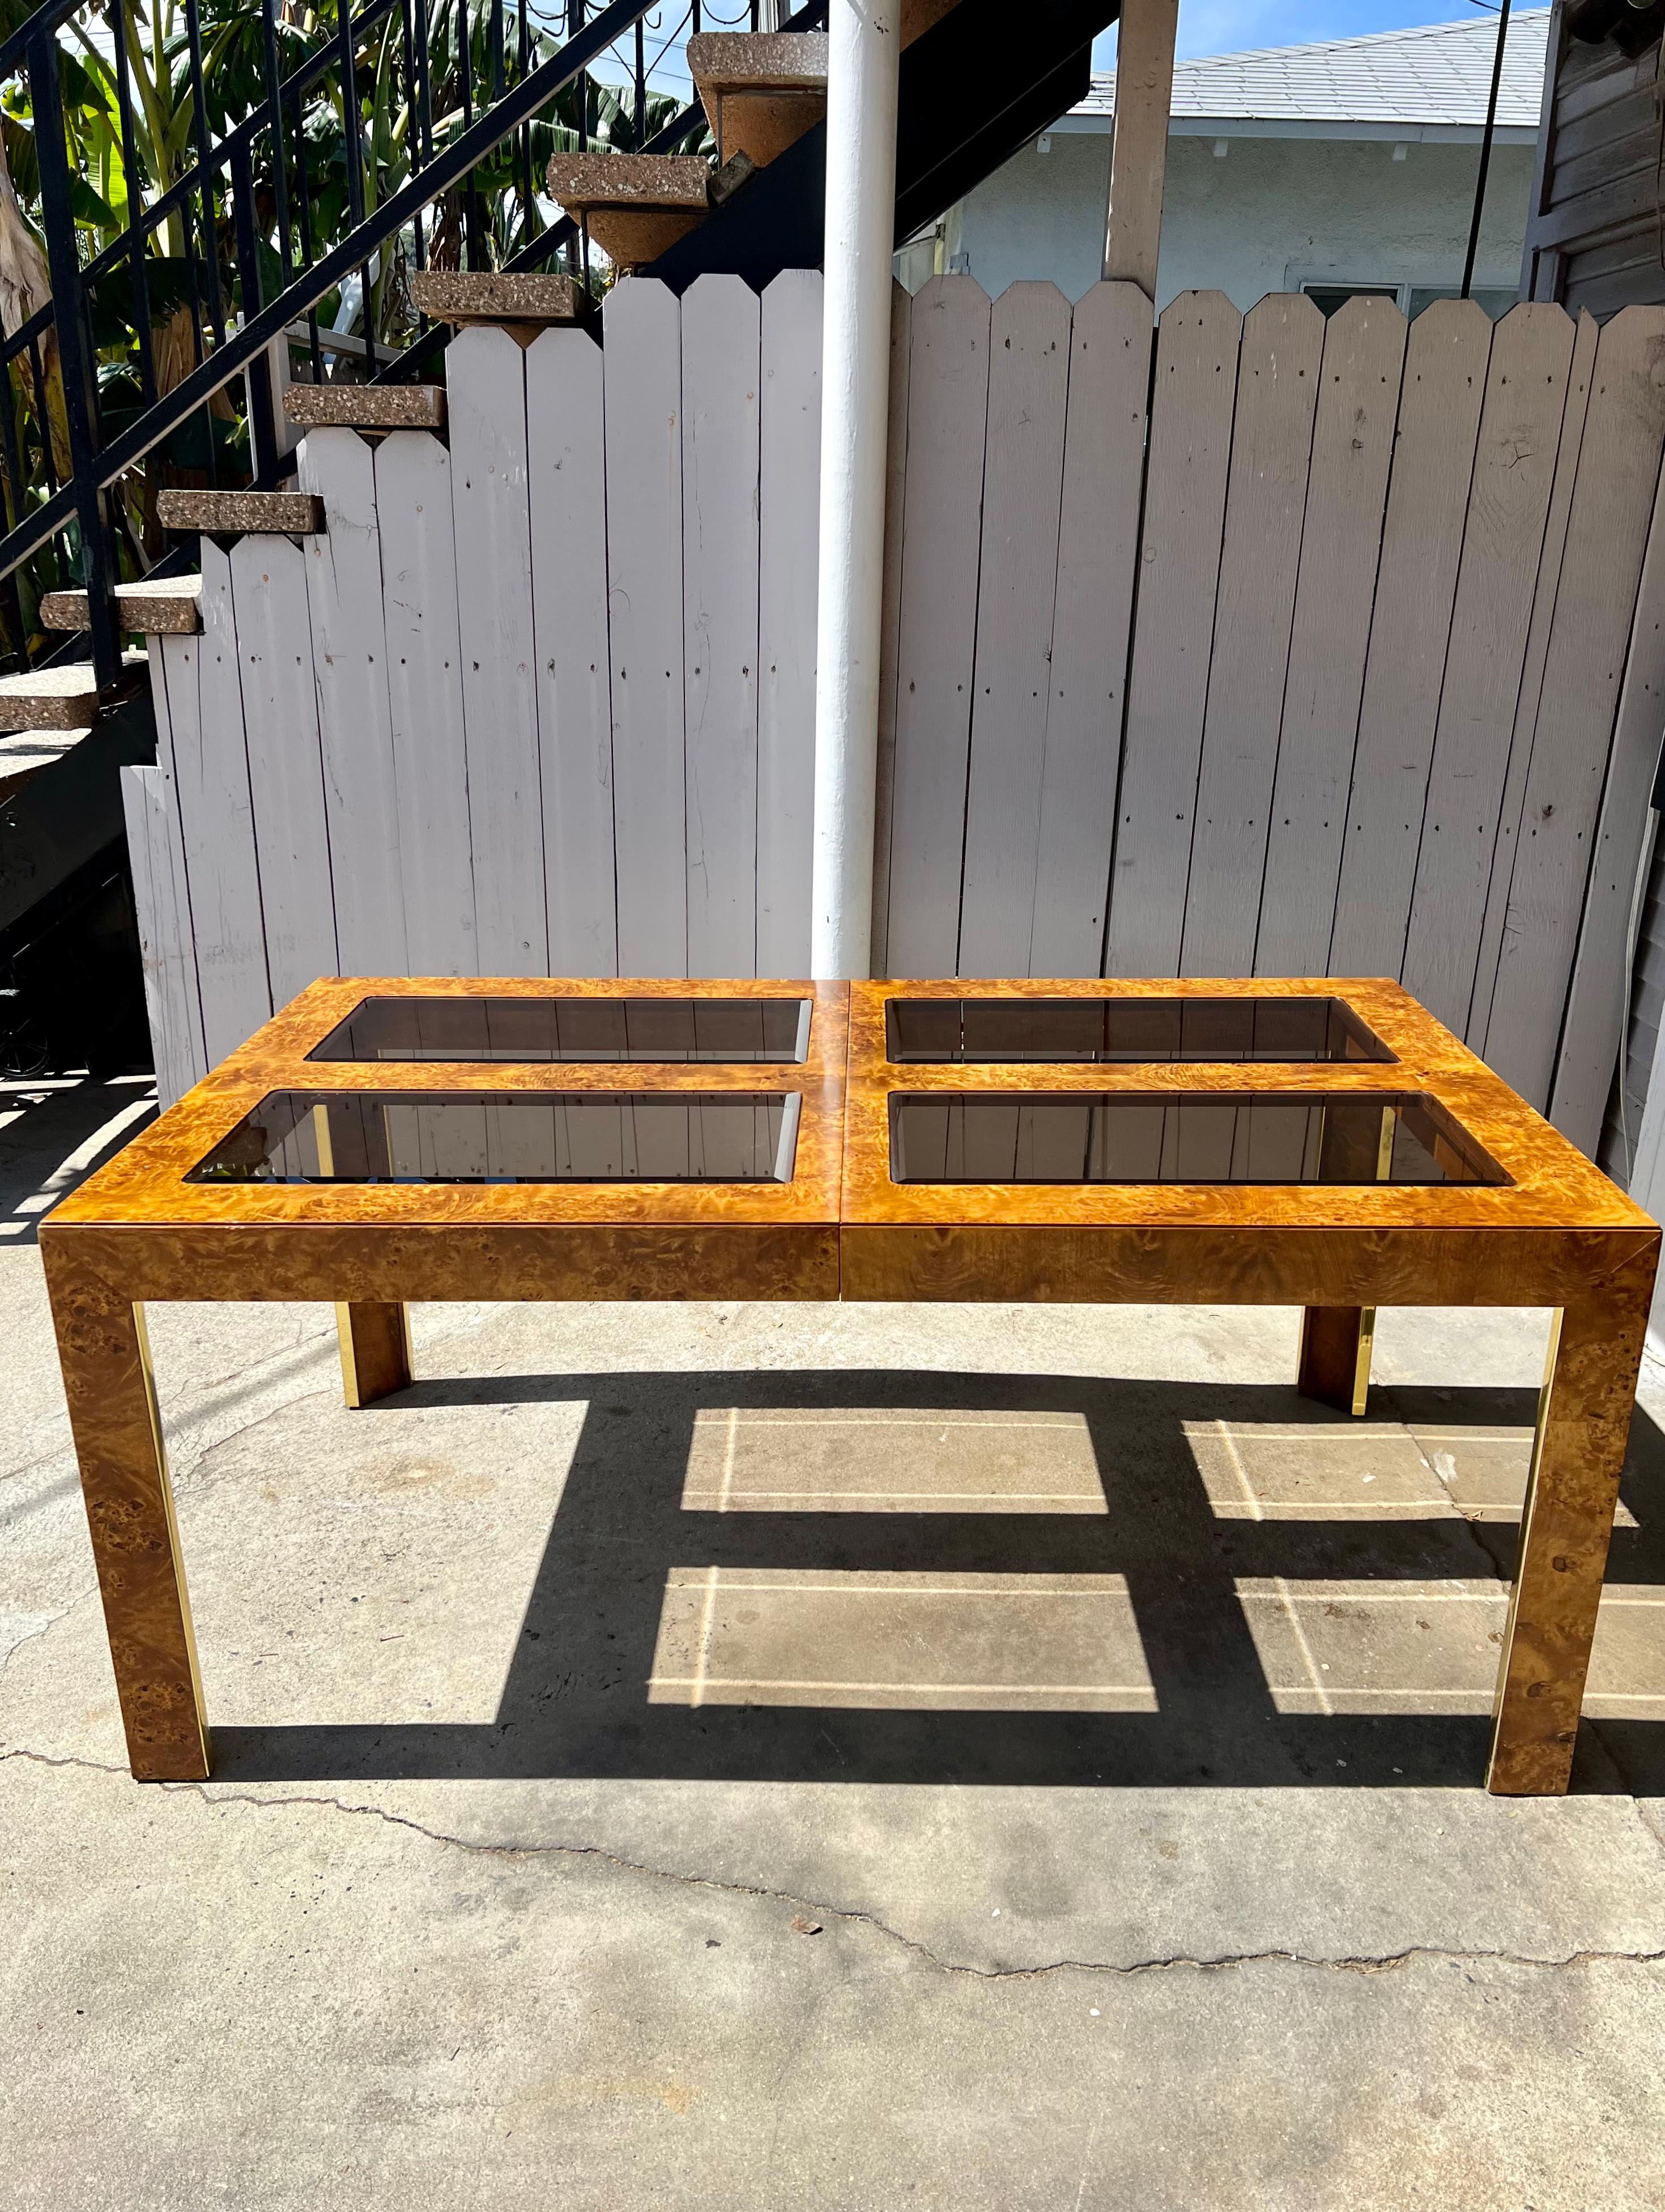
column 1327, row 298
column 1412, row 298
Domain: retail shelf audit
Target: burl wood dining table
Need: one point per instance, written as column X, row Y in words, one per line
column 1323, row 1144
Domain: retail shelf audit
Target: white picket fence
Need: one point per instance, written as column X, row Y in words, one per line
column 1304, row 647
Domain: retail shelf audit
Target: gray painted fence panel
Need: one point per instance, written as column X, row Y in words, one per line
column 1606, row 535
column 625, row 539
column 1353, row 445
column 643, row 379
column 565, row 463
column 1186, row 477
column 942, row 531
column 486, row 407
column 1111, row 341
column 895, row 503
column 1508, row 509
column 1568, row 453
column 1029, row 358
column 788, row 490
column 1596, row 1013
column 721, row 372
column 1439, row 417
column 286, row 769
column 162, row 908
column 354, row 717
column 425, row 700
column 217, row 816
column 1278, row 374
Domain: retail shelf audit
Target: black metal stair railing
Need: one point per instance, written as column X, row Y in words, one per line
column 288, row 188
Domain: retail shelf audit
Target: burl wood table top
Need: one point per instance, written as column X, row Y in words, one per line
column 841, row 1210
column 1545, row 1181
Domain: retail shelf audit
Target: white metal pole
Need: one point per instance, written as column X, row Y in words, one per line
column 863, row 52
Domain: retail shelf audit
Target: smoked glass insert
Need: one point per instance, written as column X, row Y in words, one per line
column 1126, row 1029
column 756, row 1029
column 1129, row 1137
column 483, row 1137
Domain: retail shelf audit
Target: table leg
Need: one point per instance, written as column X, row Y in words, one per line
column 376, row 1350
column 106, row 1359
column 1577, row 1457
column 1336, row 1355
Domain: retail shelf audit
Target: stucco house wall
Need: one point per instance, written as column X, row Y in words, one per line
column 1270, row 215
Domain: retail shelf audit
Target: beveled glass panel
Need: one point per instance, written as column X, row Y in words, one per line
column 527, row 1136
column 1182, row 1137
column 578, row 1029
column 961, row 1030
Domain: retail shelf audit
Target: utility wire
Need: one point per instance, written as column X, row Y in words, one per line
column 1485, row 152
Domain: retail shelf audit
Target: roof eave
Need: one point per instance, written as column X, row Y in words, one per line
column 1311, row 126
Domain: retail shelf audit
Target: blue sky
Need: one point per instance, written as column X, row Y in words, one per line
column 1205, row 26
column 1230, row 27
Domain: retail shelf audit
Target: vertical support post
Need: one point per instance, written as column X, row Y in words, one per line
column 863, row 59
column 1138, row 142
column 106, row 1360
column 1336, row 1344
column 75, row 354
column 1577, row 1458
column 376, row 1350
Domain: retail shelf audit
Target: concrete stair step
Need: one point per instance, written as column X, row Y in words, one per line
column 461, row 296
column 164, row 606
column 240, row 513
column 62, row 698
column 636, row 206
column 761, row 90
column 369, row 407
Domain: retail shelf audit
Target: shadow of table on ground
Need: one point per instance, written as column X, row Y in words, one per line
column 928, row 1577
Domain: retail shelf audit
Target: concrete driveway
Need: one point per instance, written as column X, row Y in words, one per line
column 824, row 1756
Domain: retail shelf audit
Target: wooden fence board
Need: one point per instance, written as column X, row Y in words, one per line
column 486, row 407
column 162, row 909
column 157, row 673
column 285, row 764
column 1569, row 449
column 1023, row 490
column 1594, row 1016
column 1352, row 446
column 1439, row 420
column 789, row 503
column 1502, row 547
column 216, row 816
column 566, row 454
column 1278, row 382
column 354, row 718
column 721, row 366
column 425, row 699
column 1111, row 335
column 1606, row 534
column 947, row 421
column 895, row 506
column 643, row 376
column 1190, row 458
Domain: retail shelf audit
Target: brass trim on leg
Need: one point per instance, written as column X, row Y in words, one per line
column 1361, row 1372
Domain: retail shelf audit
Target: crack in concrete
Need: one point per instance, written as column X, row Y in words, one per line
column 1350, row 1963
